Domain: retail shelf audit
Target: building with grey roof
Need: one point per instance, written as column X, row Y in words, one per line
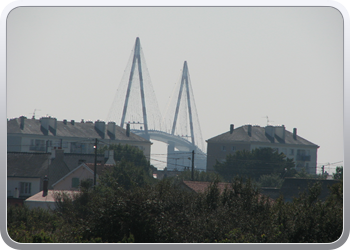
column 45, row 134
column 26, row 171
column 248, row 137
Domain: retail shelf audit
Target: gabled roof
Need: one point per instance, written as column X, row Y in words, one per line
column 202, row 187
column 35, row 165
column 69, row 129
column 100, row 168
column 258, row 135
column 73, row 160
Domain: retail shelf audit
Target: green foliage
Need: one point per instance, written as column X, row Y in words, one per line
column 253, row 164
column 129, row 206
column 127, row 153
column 272, row 180
column 166, row 213
column 338, row 175
column 31, row 225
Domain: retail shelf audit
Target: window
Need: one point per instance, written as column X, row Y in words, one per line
column 223, row 148
column 75, row 182
column 25, row 188
column 37, row 145
column 303, row 155
column 291, row 151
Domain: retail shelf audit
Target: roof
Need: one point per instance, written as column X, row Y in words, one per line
column 73, row 160
column 69, row 129
column 201, row 186
column 100, row 168
column 292, row 187
column 258, row 135
column 27, row 164
column 51, row 194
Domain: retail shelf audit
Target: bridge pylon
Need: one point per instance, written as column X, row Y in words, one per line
column 136, row 64
column 184, row 84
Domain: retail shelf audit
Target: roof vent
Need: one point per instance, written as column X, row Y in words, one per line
column 100, row 128
column 65, row 122
column 111, row 130
column 72, row 122
column 280, row 132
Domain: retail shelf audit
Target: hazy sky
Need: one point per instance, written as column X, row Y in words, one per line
column 245, row 63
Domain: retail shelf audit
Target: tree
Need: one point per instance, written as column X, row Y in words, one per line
column 272, row 180
column 199, row 176
column 338, row 175
column 253, row 164
column 131, row 169
column 128, row 153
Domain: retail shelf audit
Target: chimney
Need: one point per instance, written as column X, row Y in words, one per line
column 22, row 118
column 294, row 133
column 280, row 132
column 270, row 132
column 109, row 157
column 45, row 185
column 53, row 125
column 111, row 130
column 250, row 130
column 128, row 129
column 57, row 154
column 44, row 125
column 16, row 194
column 100, row 128
column 231, row 128
column 72, row 122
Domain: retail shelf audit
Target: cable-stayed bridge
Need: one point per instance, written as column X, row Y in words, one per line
column 135, row 104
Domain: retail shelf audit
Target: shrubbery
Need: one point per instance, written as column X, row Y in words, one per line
column 129, row 206
column 165, row 213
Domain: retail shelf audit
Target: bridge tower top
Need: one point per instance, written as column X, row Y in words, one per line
column 182, row 117
column 136, row 62
column 184, row 83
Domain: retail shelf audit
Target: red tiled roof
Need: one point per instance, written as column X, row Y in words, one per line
column 201, row 187
column 51, row 194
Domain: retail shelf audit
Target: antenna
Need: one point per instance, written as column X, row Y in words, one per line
column 267, row 120
column 33, row 117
